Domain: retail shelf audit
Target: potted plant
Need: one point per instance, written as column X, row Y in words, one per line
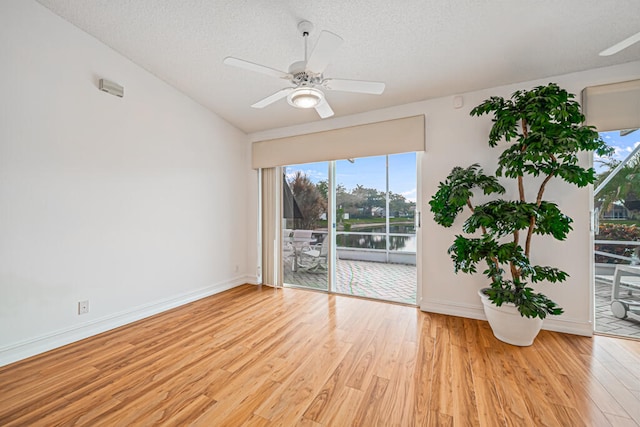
column 545, row 132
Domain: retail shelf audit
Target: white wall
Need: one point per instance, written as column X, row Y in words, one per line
column 454, row 138
column 136, row 204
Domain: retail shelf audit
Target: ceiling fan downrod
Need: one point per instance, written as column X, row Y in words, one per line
column 305, row 27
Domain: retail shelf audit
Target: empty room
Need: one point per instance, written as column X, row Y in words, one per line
column 319, row 213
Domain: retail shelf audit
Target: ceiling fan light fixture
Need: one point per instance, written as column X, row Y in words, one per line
column 307, row 97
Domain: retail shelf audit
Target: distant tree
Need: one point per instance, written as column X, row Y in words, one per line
column 323, row 188
column 361, row 202
column 309, row 199
column 400, row 206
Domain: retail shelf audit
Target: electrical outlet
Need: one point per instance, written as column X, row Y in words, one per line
column 83, row 307
column 237, row 268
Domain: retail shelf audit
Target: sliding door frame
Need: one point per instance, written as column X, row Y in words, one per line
column 331, row 226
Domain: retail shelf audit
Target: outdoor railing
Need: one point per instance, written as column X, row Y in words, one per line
column 631, row 259
column 366, row 252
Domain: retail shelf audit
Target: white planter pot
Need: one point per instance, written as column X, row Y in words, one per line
column 508, row 325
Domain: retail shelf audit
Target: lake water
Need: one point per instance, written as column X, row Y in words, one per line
column 378, row 241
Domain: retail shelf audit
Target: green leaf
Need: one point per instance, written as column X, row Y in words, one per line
column 455, row 192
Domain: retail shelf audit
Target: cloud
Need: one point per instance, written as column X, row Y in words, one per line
column 314, row 175
column 410, row 195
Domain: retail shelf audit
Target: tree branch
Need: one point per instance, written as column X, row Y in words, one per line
column 525, row 133
column 532, row 220
column 515, row 273
column 484, row 231
column 470, row 206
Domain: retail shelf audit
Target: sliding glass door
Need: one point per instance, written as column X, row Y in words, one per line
column 617, row 236
column 305, row 234
column 349, row 227
column 376, row 228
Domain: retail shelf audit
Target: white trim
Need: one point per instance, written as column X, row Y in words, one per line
column 253, row 280
column 22, row 350
column 419, row 222
column 259, row 236
column 450, row 308
column 568, row 326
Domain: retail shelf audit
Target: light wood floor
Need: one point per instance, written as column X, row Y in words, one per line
column 261, row 356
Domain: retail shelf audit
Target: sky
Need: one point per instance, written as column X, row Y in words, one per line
column 623, row 146
column 370, row 171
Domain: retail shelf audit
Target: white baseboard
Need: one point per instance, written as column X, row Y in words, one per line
column 31, row 347
column 252, row 280
column 565, row 325
column 453, row 309
column 568, row 326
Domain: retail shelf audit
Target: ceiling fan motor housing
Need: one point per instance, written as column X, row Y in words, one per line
column 302, row 77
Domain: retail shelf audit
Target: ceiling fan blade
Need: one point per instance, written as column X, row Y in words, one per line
column 324, row 110
column 326, row 45
column 272, row 98
column 360, row 86
column 241, row 63
column 622, row 45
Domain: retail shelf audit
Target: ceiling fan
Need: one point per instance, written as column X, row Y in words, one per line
column 620, row 46
column 306, row 77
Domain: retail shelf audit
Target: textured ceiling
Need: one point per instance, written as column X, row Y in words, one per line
column 421, row 49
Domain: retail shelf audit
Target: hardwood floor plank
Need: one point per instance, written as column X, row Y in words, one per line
column 464, row 387
column 47, row 396
column 191, row 411
column 238, row 407
column 423, row 374
column 396, row 407
column 533, row 389
column 490, row 408
column 581, row 401
column 348, row 402
column 259, row 356
column 357, row 377
column 441, row 390
column 328, row 398
column 368, row 413
column 298, row 391
column 436, row 419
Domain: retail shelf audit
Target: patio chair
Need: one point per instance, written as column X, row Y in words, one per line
column 301, row 235
column 628, row 277
column 297, row 241
column 314, row 259
column 288, row 251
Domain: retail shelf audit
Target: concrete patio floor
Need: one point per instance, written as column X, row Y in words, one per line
column 397, row 283
column 389, row 282
column 606, row 322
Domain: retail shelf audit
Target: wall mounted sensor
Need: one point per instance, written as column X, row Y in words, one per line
column 458, row 102
column 111, row 87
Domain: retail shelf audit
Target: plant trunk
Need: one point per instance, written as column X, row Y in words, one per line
column 532, row 221
column 484, row 231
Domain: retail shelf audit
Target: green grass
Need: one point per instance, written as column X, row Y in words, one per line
column 375, row 220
